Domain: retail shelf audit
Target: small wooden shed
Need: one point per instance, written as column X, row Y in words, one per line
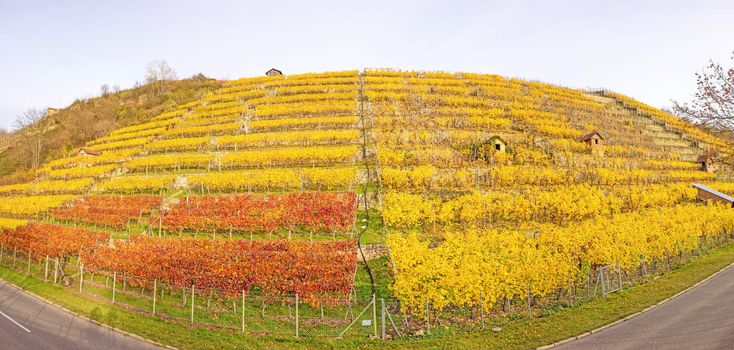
column 593, row 138
column 706, row 162
column 708, row 194
column 85, row 152
column 273, row 72
column 498, row 144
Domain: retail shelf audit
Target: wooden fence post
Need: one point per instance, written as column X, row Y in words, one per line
column 45, row 273
column 28, row 271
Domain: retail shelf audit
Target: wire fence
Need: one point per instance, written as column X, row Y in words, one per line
column 356, row 316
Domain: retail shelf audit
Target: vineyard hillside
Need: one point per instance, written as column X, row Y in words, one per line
column 85, row 119
column 486, row 190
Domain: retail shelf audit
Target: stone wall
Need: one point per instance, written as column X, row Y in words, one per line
column 373, row 251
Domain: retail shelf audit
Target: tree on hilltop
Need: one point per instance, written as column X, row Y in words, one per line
column 158, row 72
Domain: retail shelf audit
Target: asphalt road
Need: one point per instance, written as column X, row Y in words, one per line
column 27, row 322
column 702, row 318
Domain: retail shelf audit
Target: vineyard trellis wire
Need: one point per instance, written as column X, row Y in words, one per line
column 358, row 315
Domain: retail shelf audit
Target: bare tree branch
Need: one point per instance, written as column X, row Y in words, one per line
column 158, row 73
column 30, row 123
column 713, row 103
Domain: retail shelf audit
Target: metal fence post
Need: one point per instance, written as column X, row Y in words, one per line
column 374, row 314
column 243, row 311
column 81, row 278
column 56, row 270
column 45, row 273
column 114, row 285
column 530, row 309
column 481, row 307
column 155, row 291
column 193, row 292
column 382, row 316
column 428, row 319
column 296, row 315
column 603, row 286
column 619, row 276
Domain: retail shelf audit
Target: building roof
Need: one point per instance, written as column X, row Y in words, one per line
column 723, row 196
column 89, row 151
column 587, row 137
column 273, row 70
column 497, row 138
column 703, row 158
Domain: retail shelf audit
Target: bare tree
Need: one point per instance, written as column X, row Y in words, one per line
column 4, row 134
column 104, row 90
column 158, row 72
column 29, row 122
column 713, row 103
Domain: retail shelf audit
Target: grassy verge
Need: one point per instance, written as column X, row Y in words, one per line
column 522, row 332
column 375, row 232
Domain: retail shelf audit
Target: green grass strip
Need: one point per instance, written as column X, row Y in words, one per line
column 521, row 332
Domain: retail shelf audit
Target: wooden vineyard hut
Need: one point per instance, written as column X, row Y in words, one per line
column 273, row 72
column 85, row 152
column 709, row 194
column 706, row 163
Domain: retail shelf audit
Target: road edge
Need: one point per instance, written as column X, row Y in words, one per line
column 76, row 314
column 597, row 330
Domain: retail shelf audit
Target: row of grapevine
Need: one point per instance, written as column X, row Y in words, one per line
column 110, row 211
column 559, row 205
column 315, row 211
column 42, row 240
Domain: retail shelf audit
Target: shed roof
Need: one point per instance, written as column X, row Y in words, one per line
column 89, row 151
column 498, row 138
column 703, row 158
column 723, row 196
column 273, row 70
column 588, row 136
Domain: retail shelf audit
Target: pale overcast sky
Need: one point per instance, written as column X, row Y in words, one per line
column 52, row 52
